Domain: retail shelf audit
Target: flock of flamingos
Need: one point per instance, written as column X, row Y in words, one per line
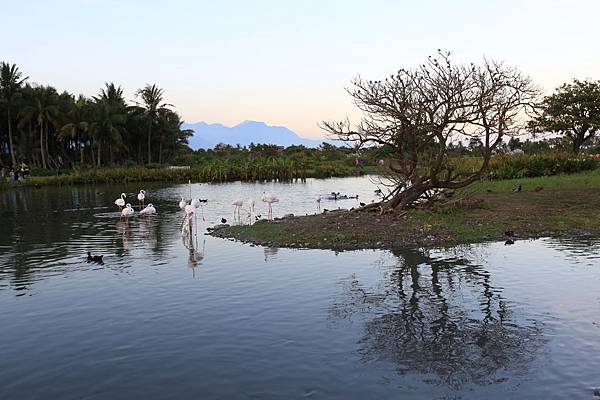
column 190, row 209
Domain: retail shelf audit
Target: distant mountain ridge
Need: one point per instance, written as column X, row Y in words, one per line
column 207, row 136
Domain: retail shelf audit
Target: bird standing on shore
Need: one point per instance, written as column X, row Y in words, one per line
column 517, row 189
column 141, row 197
column 120, row 202
column 269, row 199
column 237, row 204
column 318, row 199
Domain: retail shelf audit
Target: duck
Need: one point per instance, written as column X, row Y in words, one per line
column 223, row 221
column 148, row 210
column 517, row 189
column 203, row 200
column 362, row 204
column 96, row 259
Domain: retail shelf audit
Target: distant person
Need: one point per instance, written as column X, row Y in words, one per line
column 12, row 175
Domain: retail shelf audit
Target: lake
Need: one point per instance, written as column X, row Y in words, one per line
column 168, row 317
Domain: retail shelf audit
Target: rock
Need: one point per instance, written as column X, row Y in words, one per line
column 597, row 392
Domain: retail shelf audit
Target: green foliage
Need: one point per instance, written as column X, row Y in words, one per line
column 573, row 111
column 506, row 166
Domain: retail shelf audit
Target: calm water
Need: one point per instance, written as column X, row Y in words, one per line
column 161, row 319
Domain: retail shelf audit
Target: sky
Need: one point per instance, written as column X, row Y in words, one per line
column 285, row 62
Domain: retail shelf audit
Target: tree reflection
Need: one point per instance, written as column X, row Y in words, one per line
column 442, row 319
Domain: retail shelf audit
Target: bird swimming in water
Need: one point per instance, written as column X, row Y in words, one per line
column 96, row 259
column 509, row 242
column 362, row 204
column 223, row 221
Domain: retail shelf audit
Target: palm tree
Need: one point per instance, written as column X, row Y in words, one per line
column 45, row 110
column 11, row 80
column 152, row 97
column 78, row 126
column 110, row 115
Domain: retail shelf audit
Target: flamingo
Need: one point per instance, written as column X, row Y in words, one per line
column 182, row 204
column 141, row 196
column 236, row 208
column 251, row 206
column 127, row 211
column 269, row 199
column 149, row 210
column 318, row 199
column 120, row 202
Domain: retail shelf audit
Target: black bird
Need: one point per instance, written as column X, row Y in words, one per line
column 223, row 221
column 257, row 217
column 96, row 259
column 509, row 242
column 509, row 233
column 448, row 194
column 203, row 200
column 517, row 189
column 362, row 204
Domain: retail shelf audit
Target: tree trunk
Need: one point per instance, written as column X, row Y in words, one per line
column 149, row 137
column 42, row 145
column 577, row 142
column 10, row 138
column 160, row 151
column 99, row 144
column 406, row 197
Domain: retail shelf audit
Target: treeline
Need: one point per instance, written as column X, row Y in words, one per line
column 49, row 129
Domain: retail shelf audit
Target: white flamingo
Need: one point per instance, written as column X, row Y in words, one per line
column 120, row 202
column 141, row 196
column 318, row 199
column 269, row 199
column 251, row 206
column 148, row 210
column 182, row 204
column 127, row 211
column 236, row 208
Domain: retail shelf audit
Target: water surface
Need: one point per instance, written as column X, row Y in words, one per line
column 163, row 319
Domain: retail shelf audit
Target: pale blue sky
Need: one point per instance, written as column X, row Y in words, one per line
column 285, row 62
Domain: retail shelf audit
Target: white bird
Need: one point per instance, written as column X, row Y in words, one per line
column 127, row 211
column 189, row 210
column 148, row 210
column 318, row 199
column 120, row 202
column 182, row 204
column 269, row 199
column 251, row 206
column 237, row 204
column 141, row 196
column 195, row 203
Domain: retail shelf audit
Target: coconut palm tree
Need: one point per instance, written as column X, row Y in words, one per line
column 11, row 80
column 110, row 115
column 78, row 125
column 152, row 102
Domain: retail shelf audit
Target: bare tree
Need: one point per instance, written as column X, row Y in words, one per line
column 418, row 112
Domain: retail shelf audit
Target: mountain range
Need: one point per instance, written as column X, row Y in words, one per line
column 207, row 136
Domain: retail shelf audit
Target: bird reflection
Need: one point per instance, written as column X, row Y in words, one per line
column 190, row 242
column 442, row 318
column 125, row 233
column 270, row 252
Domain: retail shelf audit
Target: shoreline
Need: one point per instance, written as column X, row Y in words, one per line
column 567, row 206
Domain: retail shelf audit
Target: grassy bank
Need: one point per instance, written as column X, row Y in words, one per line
column 217, row 172
column 567, row 204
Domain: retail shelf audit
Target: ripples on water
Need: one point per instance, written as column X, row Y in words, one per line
column 166, row 317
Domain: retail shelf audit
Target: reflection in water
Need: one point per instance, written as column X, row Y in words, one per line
column 270, row 253
column 442, row 318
